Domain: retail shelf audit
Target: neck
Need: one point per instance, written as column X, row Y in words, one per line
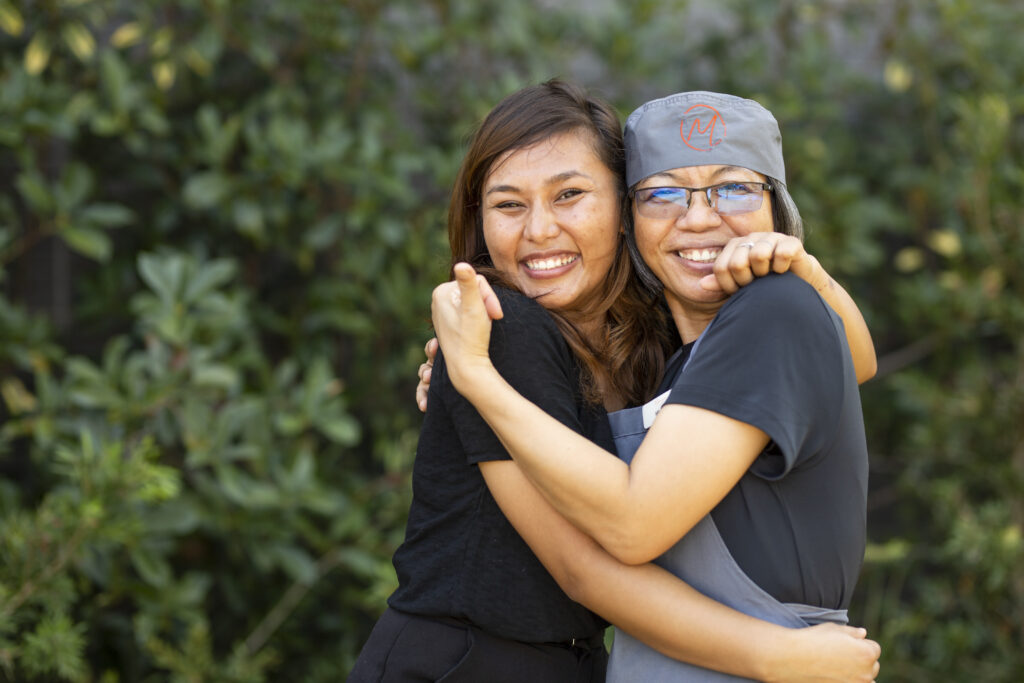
column 593, row 330
column 590, row 324
column 692, row 320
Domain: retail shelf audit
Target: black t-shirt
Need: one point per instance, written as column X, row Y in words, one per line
column 461, row 558
column 776, row 357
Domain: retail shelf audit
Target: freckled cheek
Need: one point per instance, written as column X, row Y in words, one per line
column 501, row 240
column 596, row 230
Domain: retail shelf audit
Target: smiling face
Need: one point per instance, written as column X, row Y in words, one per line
column 551, row 219
column 682, row 251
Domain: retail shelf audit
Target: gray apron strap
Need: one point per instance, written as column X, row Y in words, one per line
column 702, row 559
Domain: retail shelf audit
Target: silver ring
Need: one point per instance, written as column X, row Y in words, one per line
column 748, row 245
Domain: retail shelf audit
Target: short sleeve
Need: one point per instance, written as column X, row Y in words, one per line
column 772, row 358
column 529, row 352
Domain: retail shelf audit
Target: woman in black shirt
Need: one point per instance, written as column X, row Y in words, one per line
column 538, row 201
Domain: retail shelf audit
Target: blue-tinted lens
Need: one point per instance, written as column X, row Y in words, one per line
column 738, row 197
column 655, row 196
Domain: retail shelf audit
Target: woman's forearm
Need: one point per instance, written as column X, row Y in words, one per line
column 858, row 337
column 585, row 483
column 646, row 601
column 635, row 511
column 663, row 612
column 671, row 617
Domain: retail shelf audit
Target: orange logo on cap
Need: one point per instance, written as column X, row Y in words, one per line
column 697, row 135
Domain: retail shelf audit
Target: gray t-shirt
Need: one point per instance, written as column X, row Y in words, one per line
column 776, row 357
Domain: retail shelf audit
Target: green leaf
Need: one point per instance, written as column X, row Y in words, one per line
column 206, row 190
column 163, row 273
column 296, row 562
column 75, row 185
column 107, row 215
column 342, row 430
column 152, row 567
column 89, row 242
column 115, row 77
column 248, row 218
column 210, row 276
column 55, row 647
column 34, row 191
column 216, row 376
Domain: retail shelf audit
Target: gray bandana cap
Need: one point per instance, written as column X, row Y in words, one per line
column 698, row 128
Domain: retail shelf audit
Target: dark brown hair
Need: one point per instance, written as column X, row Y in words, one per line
column 627, row 360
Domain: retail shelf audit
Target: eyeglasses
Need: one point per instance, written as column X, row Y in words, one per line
column 727, row 199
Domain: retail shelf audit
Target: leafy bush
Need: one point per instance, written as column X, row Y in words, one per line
column 220, row 226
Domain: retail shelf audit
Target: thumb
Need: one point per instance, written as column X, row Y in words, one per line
column 855, row 631
column 491, row 302
column 711, row 284
column 469, row 297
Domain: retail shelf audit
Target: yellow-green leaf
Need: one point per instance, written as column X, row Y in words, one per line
column 81, row 42
column 162, row 42
column 163, row 74
column 127, row 35
column 37, row 55
column 11, row 20
column 18, row 399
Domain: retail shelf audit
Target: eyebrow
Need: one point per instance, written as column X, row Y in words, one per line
column 557, row 178
column 729, row 169
column 724, row 170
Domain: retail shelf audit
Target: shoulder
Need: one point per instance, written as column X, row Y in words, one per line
column 776, row 299
column 780, row 287
column 517, row 305
column 526, row 339
column 523, row 317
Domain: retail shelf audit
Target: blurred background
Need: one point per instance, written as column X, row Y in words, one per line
column 220, row 223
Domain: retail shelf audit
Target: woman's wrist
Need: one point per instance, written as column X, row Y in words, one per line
column 774, row 654
column 473, row 376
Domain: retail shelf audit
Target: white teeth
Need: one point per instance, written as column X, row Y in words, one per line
column 700, row 255
column 550, row 263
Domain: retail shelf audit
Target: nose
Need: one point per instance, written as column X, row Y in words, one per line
column 700, row 215
column 541, row 224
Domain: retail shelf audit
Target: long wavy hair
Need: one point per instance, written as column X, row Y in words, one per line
column 627, row 357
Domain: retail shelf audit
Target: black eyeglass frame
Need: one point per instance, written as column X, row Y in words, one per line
column 707, row 192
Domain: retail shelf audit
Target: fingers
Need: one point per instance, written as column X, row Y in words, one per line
column 723, row 267
column 787, row 250
column 743, row 259
column 424, row 386
column 491, row 302
column 759, row 253
column 424, row 373
column 483, row 293
column 855, row 631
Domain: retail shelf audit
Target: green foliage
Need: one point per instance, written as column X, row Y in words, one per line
column 204, row 466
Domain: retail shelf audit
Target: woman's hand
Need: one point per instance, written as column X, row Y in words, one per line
column 758, row 254
column 426, row 368
column 462, row 312
column 493, row 307
column 827, row 652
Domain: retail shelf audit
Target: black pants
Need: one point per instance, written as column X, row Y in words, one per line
column 403, row 648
